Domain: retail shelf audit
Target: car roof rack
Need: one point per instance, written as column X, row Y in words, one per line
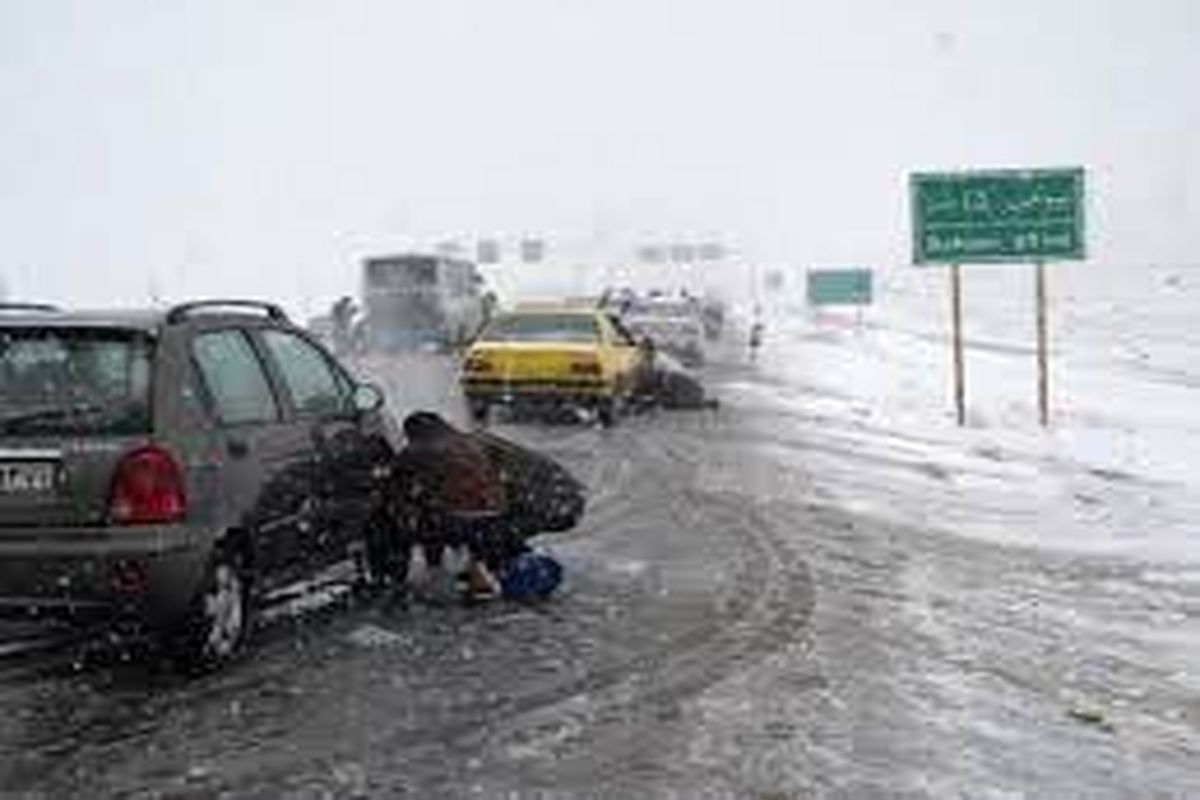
column 46, row 307
column 180, row 312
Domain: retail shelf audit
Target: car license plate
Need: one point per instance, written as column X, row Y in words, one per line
column 34, row 477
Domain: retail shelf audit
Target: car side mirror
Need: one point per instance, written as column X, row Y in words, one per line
column 367, row 398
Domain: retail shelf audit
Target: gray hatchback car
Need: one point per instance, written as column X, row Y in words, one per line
column 174, row 466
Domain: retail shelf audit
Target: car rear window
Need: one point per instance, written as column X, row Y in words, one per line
column 671, row 325
column 402, row 273
column 74, row 381
column 543, row 328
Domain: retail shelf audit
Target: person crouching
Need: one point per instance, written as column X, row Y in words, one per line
column 454, row 497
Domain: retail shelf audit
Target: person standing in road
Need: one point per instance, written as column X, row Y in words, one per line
column 648, row 381
column 756, row 334
column 342, row 316
column 447, row 493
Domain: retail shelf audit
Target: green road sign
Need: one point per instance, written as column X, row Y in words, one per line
column 997, row 216
column 829, row 287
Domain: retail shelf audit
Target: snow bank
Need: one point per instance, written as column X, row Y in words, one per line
column 1118, row 470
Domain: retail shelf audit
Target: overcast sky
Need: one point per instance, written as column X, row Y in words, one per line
column 263, row 146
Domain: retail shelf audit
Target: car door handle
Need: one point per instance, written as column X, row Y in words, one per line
column 237, row 448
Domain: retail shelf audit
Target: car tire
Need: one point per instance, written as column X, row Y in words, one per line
column 606, row 412
column 384, row 562
column 479, row 411
column 217, row 625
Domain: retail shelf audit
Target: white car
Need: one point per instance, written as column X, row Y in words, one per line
column 680, row 336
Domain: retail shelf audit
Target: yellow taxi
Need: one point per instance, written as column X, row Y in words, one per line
column 552, row 356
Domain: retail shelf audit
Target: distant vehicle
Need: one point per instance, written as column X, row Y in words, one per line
column 173, row 467
column 578, row 303
column 679, row 336
column 564, row 356
column 418, row 301
column 712, row 317
column 669, row 384
column 659, row 306
column 676, row 326
column 321, row 327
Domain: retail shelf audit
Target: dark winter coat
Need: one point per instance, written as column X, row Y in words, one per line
column 539, row 494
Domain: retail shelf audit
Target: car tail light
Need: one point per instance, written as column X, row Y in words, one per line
column 147, row 489
column 586, row 368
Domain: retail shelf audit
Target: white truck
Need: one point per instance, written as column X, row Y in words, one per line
column 416, row 301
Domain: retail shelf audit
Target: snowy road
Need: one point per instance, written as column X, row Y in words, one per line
column 731, row 629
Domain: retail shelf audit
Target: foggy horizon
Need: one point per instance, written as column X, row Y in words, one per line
column 226, row 149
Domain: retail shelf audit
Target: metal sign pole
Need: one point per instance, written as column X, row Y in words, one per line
column 1042, row 349
column 1017, row 216
column 960, row 379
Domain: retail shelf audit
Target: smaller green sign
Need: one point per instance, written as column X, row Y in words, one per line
column 845, row 287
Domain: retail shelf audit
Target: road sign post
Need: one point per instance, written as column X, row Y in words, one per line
column 960, row 378
column 841, row 287
column 999, row 216
column 1042, row 348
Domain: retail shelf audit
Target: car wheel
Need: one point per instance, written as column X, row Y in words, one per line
column 385, row 559
column 218, row 623
column 606, row 412
column 478, row 410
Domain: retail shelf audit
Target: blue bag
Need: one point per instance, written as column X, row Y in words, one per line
column 531, row 574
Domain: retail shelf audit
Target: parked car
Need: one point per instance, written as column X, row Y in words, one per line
column 173, row 467
column 681, row 336
column 712, row 317
column 553, row 356
column 669, row 384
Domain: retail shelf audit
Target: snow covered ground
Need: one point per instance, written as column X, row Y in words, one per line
column 1117, row 472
